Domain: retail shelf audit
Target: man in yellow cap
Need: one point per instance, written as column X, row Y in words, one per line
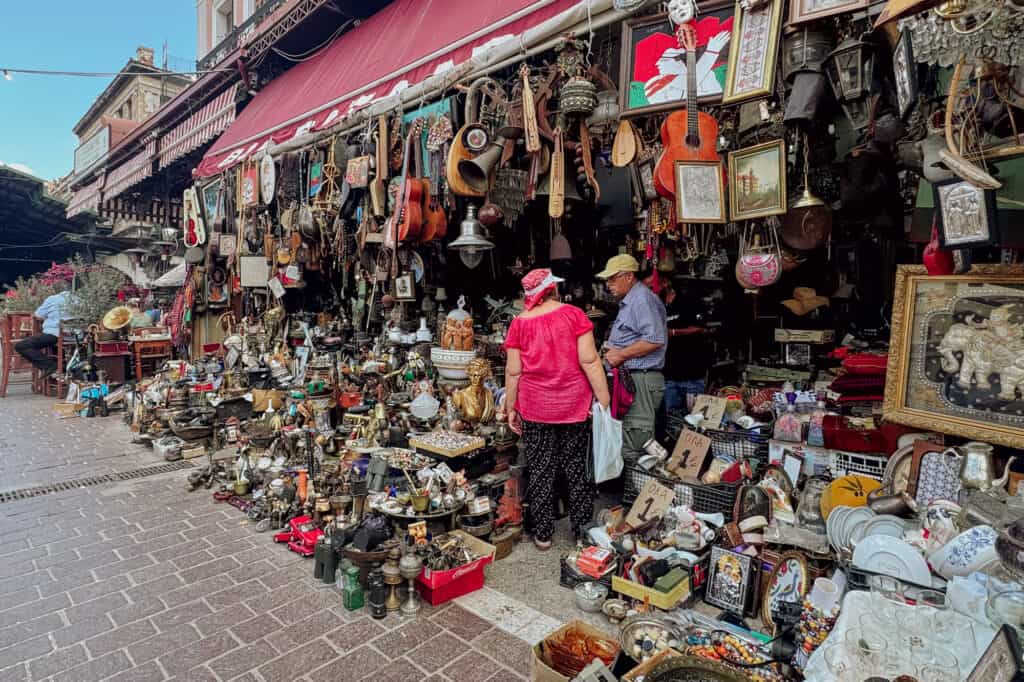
column 637, row 342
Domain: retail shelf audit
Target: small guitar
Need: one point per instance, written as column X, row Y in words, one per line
column 435, row 221
column 194, row 230
column 687, row 134
column 407, row 220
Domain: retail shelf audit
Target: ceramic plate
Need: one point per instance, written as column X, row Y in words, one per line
column 885, row 524
column 832, row 525
column 852, row 523
column 893, row 557
column 897, row 472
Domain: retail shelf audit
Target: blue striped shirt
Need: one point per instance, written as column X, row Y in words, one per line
column 641, row 317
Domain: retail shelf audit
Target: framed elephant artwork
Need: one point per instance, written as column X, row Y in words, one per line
column 956, row 353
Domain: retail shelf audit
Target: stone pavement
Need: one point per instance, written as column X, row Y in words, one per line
column 141, row 580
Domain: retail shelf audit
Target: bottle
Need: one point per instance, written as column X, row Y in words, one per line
column 378, row 594
column 787, row 426
column 816, row 425
column 351, row 590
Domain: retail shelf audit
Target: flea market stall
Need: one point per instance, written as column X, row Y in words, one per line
column 822, row 194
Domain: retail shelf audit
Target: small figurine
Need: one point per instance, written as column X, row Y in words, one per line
column 458, row 329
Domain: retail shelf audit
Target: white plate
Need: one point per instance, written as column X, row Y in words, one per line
column 853, row 518
column 885, row 524
column 893, row 557
column 832, row 525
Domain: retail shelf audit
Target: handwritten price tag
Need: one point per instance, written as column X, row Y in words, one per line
column 713, row 409
column 652, row 503
column 688, row 455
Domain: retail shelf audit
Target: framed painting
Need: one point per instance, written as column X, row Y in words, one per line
column 754, row 52
column 788, row 582
column 757, row 181
column 811, row 10
column 905, row 74
column 956, row 354
column 966, row 215
column 1001, row 661
column 652, row 66
column 700, row 192
column 730, row 578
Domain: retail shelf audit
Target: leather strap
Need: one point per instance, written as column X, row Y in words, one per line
column 588, row 163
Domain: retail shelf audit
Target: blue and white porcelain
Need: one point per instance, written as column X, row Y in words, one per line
column 966, row 553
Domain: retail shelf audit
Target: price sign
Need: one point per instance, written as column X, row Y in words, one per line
column 652, row 503
column 713, row 409
column 689, row 454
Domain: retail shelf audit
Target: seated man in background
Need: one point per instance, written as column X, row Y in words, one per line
column 51, row 312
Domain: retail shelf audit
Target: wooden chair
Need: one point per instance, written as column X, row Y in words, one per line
column 56, row 385
column 13, row 328
column 151, row 351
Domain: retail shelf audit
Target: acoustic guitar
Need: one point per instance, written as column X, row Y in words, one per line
column 687, row 134
column 435, row 220
column 407, row 220
column 193, row 228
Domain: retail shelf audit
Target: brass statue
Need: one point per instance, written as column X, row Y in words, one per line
column 475, row 402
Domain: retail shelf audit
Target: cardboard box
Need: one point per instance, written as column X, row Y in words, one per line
column 437, row 587
column 540, row 668
column 261, row 398
column 662, row 600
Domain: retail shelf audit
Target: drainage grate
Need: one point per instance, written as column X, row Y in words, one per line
column 74, row 484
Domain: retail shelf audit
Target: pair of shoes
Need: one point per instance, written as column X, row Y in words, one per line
column 542, row 545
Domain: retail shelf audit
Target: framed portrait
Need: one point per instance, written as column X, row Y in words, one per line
column 700, row 192
column 787, row 583
column 966, row 215
column 956, row 354
column 905, row 74
column 652, row 66
column 404, row 288
column 212, row 202
column 811, row 10
column 753, row 53
column 757, row 181
column 731, row 577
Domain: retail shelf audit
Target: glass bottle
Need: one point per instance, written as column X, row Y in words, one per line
column 816, row 425
column 787, row 426
column 351, row 590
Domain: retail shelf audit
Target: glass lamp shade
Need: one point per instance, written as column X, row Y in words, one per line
column 471, row 257
column 471, row 243
column 850, row 69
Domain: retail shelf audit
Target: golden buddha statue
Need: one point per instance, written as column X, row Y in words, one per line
column 475, row 402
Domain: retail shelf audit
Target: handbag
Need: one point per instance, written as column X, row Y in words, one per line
column 623, row 392
column 759, row 265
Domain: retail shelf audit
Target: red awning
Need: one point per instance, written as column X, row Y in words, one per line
column 199, row 128
column 133, row 171
column 86, row 198
column 404, row 44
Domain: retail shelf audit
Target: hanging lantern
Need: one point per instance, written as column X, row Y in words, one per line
column 850, row 69
column 805, row 50
column 578, row 96
column 471, row 243
column 808, row 222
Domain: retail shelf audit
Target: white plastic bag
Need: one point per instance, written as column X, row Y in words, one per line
column 607, row 445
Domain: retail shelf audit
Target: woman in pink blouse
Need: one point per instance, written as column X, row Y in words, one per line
column 552, row 376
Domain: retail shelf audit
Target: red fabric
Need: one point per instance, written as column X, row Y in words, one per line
column 866, row 363
column 553, row 388
column 622, row 396
column 335, row 82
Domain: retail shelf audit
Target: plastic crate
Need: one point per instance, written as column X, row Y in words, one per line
column 707, row 499
column 846, row 463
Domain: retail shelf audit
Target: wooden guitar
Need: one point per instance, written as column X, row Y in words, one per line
column 194, row 230
column 687, row 134
column 407, row 220
column 435, row 220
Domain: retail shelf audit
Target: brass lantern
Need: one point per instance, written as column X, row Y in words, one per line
column 850, row 69
column 804, row 50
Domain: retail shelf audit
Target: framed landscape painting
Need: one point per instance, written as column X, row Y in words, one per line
column 757, row 181
column 956, row 355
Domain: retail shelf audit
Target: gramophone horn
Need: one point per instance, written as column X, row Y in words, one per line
column 477, row 171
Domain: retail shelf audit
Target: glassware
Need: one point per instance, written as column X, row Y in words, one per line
column 931, row 598
column 935, row 665
column 816, row 424
column 1007, row 608
column 839, row 660
column 870, row 649
column 956, row 631
column 916, row 626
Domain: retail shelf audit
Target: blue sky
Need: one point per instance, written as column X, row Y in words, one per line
column 37, row 112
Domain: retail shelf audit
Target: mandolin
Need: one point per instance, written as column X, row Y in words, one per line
column 687, row 134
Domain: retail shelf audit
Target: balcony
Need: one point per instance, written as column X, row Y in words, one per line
column 235, row 38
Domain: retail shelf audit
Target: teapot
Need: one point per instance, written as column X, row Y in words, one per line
column 977, row 470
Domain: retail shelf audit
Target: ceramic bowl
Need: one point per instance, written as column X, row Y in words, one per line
column 590, row 596
column 966, row 553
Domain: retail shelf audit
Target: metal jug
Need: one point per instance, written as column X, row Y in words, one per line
column 977, row 470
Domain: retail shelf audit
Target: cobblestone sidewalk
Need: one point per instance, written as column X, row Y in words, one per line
column 142, row 581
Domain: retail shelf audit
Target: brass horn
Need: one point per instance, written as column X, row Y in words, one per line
column 477, row 171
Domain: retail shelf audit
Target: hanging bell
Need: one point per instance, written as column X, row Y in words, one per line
column 578, row 96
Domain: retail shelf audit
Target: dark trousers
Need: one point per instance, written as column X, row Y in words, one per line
column 558, row 451
column 32, row 347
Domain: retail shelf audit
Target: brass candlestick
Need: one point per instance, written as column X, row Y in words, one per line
column 392, row 578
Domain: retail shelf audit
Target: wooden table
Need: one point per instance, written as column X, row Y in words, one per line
column 159, row 349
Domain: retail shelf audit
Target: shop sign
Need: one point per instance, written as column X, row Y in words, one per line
column 92, row 150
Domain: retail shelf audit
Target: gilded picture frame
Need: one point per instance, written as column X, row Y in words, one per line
column 700, row 192
column 954, row 351
column 757, row 181
column 754, row 52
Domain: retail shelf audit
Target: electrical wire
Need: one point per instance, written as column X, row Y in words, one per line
column 109, row 74
column 303, row 56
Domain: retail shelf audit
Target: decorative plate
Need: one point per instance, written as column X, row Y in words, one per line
column 852, row 491
column 788, row 582
column 885, row 524
column 896, row 477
